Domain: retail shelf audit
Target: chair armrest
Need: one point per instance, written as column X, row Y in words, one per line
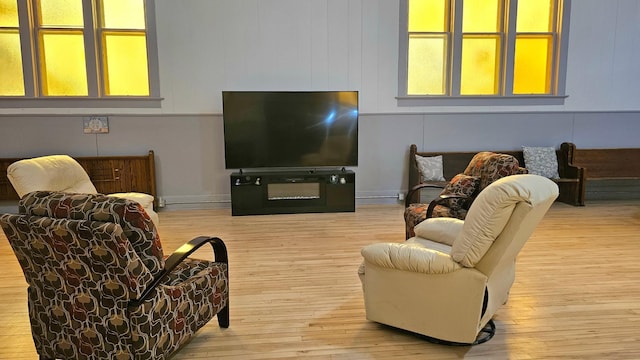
column 443, row 230
column 413, row 257
column 413, row 190
column 219, row 251
column 441, row 200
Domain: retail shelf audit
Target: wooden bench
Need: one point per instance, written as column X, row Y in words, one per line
column 570, row 183
column 608, row 164
column 109, row 174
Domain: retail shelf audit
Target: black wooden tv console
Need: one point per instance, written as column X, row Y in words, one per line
column 260, row 193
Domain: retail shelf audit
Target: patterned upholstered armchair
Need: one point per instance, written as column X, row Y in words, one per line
column 456, row 197
column 99, row 285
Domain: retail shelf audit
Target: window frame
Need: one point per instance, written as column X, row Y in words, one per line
column 453, row 97
column 95, row 77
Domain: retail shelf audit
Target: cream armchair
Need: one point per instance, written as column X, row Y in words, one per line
column 448, row 281
column 63, row 173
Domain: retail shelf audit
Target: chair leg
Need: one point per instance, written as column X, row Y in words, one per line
column 223, row 316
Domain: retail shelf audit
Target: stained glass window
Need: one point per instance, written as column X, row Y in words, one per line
column 498, row 48
column 11, row 76
column 73, row 51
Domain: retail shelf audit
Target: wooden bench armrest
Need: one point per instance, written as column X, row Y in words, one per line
column 416, row 189
column 571, row 172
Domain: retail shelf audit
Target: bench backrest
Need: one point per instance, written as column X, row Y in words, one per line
column 454, row 163
column 617, row 163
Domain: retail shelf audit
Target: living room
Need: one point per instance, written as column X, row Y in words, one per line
column 206, row 47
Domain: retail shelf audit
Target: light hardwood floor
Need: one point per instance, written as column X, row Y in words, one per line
column 295, row 293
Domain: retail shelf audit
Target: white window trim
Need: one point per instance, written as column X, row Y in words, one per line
column 403, row 99
column 93, row 100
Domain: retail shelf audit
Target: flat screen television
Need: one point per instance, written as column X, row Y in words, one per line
column 290, row 129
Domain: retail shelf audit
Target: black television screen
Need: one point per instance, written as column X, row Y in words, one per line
column 290, row 129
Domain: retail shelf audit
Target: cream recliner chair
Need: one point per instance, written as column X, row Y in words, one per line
column 63, row 173
column 448, row 281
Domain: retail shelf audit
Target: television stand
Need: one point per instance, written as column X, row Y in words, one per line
column 289, row 192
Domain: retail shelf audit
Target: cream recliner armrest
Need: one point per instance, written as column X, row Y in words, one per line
column 443, row 230
column 409, row 256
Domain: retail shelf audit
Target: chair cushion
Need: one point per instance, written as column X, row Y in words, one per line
column 413, row 215
column 541, row 161
column 130, row 215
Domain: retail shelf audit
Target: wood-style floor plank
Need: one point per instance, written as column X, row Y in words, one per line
column 295, row 293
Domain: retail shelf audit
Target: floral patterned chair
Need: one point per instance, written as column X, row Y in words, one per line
column 99, row 285
column 456, row 197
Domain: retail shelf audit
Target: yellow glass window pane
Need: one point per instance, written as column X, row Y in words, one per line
column 126, row 64
column 427, row 64
column 534, row 16
column 428, row 15
column 60, row 13
column 481, row 16
column 11, row 76
column 8, row 13
column 532, row 65
column 63, row 64
column 123, row 14
column 479, row 68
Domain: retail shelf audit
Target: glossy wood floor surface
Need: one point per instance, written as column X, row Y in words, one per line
column 295, row 293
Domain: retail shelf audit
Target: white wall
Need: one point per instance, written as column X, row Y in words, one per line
column 206, row 46
column 353, row 44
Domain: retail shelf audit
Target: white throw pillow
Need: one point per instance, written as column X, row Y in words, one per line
column 541, row 161
column 430, row 168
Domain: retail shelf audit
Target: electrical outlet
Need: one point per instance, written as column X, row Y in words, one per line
column 162, row 202
column 400, row 196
